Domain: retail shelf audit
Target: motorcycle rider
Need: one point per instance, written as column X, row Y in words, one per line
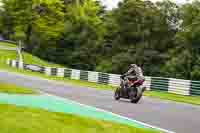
column 135, row 72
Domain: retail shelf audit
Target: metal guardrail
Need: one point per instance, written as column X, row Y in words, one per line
column 177, row 86
column 8, row 41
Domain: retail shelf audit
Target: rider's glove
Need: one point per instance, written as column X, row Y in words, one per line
column 123, row 76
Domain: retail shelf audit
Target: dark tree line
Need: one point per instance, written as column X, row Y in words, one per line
column 161, row 37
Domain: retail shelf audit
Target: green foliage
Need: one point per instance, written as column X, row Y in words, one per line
column 140, row 36
column 83, row 33
column 16, row 18
column 162, row 37
column 105, row 66
column 185, row 59
column 48, row 21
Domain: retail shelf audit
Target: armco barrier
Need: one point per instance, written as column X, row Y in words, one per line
column 8, row 41
column 177, row 86
column 195, row 88
column 159, row 83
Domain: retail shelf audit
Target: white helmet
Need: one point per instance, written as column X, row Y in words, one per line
column 133, row 65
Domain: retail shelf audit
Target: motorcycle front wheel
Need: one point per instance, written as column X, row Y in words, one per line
column 135, row 95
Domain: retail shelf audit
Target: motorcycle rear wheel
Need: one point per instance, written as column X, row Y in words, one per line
column 117, row 94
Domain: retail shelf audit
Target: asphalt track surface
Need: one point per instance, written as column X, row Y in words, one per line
column 176, row 117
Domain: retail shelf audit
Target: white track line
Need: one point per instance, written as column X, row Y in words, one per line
column 101, row 110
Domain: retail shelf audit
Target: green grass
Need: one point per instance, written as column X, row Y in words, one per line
column 13, row 89
column 27, row 120
column 4, row 54
column 7, row 44
column 28, row 58
column 174, row 97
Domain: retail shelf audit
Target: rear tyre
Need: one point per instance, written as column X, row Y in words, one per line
column 144, row 89
column 117, row 94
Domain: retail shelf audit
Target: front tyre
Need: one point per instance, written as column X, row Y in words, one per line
column 135, row 95
column 117, row 94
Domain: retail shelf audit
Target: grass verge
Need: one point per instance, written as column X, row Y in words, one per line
column 6, row 44
column 28, row 58
column 174, row 97
column 28, row 120
column 13, row 89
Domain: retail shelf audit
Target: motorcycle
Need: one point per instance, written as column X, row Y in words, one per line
column 133, row 90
